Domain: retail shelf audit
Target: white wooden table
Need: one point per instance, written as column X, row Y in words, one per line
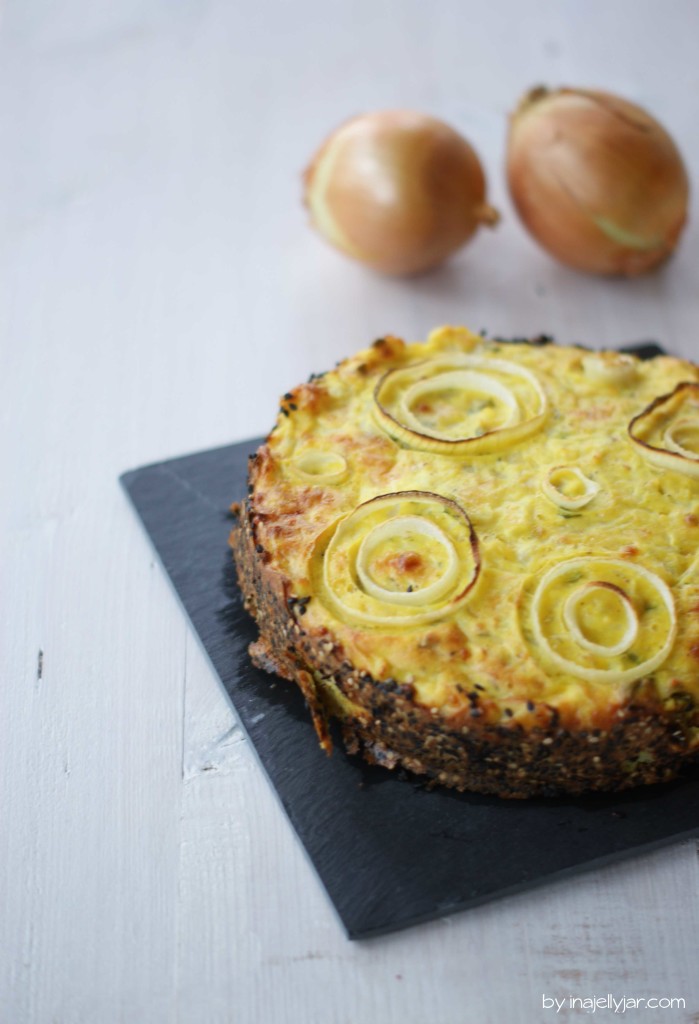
column 160, row 290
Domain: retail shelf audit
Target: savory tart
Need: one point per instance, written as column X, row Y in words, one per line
column 482, row 558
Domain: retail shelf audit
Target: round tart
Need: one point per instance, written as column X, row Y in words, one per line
column 483, row 559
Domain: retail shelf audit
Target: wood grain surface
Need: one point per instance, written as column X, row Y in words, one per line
column 160, row 289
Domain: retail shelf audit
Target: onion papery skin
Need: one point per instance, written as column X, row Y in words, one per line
column 597, row 181
column 340, row 581
column 598, row 568
column 397, row 190
column 657, row 455
column 432, row 369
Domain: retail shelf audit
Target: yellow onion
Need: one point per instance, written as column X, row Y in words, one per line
column 397, row 190
column 598, row 182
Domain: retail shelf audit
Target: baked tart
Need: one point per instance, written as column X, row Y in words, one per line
column 482, row 558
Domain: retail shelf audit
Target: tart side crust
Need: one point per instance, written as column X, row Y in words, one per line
column 645, row 740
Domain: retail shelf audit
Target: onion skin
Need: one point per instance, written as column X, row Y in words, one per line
column 397, row 190
column 597, row 181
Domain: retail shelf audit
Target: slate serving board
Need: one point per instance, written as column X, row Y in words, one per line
column 389, row 852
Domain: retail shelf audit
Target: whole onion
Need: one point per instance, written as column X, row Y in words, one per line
column 597, row 181
column 397, row 190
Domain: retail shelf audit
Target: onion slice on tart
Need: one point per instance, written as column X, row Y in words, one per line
column 404, row 528
column 610, row 368
column 571, row 609
column 671, row 435
column 626, row 631
column 679, row 435
column 319, row 466
column 403, row 392
column 397, row 560
column 554, row 482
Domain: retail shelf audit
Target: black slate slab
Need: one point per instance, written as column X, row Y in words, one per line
column 389, row 852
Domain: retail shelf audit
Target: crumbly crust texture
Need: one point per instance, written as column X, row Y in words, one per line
column 480, row 709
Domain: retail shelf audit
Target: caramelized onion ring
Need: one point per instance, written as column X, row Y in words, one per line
column 614, row 368
column 317, row 466
column 677, row 458
column 674, row 444
column 481, row 383
column 570, row 617
column 404, row 525
column 342, row 563
column 513, row 431
column 554, row 494
column 589, row 673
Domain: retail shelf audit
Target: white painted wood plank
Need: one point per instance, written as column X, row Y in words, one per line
column 160, row 290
